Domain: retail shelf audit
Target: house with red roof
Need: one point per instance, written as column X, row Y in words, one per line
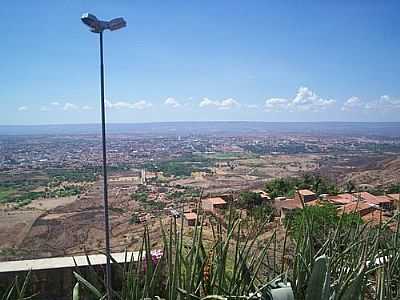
column 361, row 208
column 396, row 200
column 213, row 204
column 305, row 196
column 286, row 206
column 190, row 218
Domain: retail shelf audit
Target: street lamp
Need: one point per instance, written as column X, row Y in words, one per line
column 98, row 26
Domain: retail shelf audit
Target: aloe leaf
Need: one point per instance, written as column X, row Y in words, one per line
column 285, row 293
column 318, row 285
column 88, row 285
column 75, row 292
column 354, row 291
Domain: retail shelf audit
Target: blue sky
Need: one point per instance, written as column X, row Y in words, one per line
column 201, row 60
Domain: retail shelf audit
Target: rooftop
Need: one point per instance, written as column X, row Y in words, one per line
column 190, row 216
column 262, row 193
column 215, row 200
column 357, row 207
column 357, row 197
column 306, row 192
column 383, row 199
column 374, row 217
column 366, row 196
column 394, row 196
column 289, row 204
column 342, row 198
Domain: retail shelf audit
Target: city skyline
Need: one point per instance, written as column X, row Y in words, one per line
column 202, row 62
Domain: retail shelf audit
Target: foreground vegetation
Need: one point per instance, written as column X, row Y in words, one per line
column 324, row 256
column 343, row 260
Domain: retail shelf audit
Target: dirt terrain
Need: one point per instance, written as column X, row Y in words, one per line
column 72, row 225
column 384, row 173
column 15, row 225
column 235, row 175
column 51, row 203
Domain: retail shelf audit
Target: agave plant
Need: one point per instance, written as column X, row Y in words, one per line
column 354, row 262
column 360, row 261
column 18, row 290
column 227, row 267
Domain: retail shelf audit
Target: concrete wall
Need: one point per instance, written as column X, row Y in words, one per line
column 57, row 283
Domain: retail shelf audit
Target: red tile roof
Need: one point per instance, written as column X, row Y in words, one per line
column 383, row 199
column 363, row 196
column 366, row 196
column 306, row 192
column 394, row 196
column 215, row 200
column 341, row 199
column 289, row 204
column 374, row 217
column 190, row 216
column 357, row 207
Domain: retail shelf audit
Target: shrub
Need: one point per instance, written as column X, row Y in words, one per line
column 249, row 200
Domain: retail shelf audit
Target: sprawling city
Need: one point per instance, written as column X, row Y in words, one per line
column 200, row 150
column 51, row 185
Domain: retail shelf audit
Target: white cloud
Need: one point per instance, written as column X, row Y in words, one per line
column 276, row 104
column 304, row 100
column 70, row 106
column 353, row 103
column 223, row 104
column 170, row 101
column 121, row 105
column 206, row 102
column 142, row 104
column 87, row 107
column 22, row 108
column 109, row 104
column 388, row 102
column 229, row 103
column 384, row 103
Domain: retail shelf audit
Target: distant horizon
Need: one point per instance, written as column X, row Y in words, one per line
column 389, row 129
column 215, row 121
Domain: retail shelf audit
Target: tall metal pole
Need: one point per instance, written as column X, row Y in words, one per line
column 105, row 186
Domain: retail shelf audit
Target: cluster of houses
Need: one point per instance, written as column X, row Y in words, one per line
column 212, row 205
column 369, row 207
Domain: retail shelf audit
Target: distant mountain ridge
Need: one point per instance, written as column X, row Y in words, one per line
column 389, row 129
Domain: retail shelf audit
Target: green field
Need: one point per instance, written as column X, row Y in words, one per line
column 229, row 155
column 5, row 193
column 21, row 189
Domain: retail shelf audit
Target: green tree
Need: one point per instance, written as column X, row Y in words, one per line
column 139, row 196
column 287, row 186
column 321, row 220
column 260, row 213
column 394, row 189
column 249, row 200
